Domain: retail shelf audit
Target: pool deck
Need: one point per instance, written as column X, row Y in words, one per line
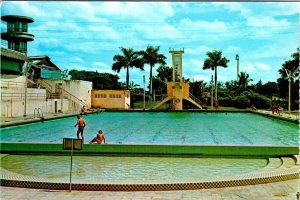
column 279, row 190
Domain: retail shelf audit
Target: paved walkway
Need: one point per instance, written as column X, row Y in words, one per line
column 279, row 190
column 282, row 114
column 5, row 120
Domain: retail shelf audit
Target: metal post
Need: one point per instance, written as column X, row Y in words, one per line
column 71, row 166
column 25, row 98
column 212, row 91
column 62, row 96
column 289, row 77
column 237, row 57
column 144, row 92
column 289, row 95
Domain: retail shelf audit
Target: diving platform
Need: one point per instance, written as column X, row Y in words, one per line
column 177, row 90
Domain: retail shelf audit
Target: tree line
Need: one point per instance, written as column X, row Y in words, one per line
column 238, row 93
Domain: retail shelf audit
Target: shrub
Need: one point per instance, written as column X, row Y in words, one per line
column 260, row 101
column 225, row 101
column 241, row 102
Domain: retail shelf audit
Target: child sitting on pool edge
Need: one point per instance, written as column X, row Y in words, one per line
column 99, row 138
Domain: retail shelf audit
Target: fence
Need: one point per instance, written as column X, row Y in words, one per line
column 11, row 84
column 18, row 96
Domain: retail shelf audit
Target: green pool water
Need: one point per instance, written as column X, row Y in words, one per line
column 93, row 168
column 163, row 128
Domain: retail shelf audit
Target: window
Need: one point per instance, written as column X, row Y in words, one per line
column 10, row 26
column 100, row 96
column 24, row 27
column 18, row 26
column 115, row 96
column 23, row 46
column 13, row 45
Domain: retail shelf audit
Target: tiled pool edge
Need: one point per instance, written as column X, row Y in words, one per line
column 150, row 150
column 281, row 174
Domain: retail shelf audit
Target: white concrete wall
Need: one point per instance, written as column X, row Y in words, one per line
column 13, row 97
column 78, row 88
column 15, row 107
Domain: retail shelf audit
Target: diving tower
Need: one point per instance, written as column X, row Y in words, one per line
column 177, row 90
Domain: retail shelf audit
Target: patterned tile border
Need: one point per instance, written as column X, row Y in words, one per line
column 282, row 173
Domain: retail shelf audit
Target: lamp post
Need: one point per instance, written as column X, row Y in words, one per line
column 289, row 77
column 211, row 92
column 144, row 91
column 26, row 68
column 25, row 98
column 237, row 57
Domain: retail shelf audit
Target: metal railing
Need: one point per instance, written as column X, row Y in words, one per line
column 11, row 84
column 195, row 99
column 18, row 96
column 72, row 97
column 66, row 93
column 46, row 85
column 38, row 113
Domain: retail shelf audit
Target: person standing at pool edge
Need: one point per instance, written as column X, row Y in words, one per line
column 81, row 124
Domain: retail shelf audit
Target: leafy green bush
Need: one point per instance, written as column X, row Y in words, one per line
column 225, row 101
column 241, row 102
column 260, row 101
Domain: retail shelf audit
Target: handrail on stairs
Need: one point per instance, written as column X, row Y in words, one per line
column 48, row 85
column 77, row 99
column 195, row 99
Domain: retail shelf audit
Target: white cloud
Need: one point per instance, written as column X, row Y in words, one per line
column 223, row 78
column 28, row 8
column 234, row 7
column 262, row 66
column 157, row 31
column 267, row 22
column 141, row 11
column 281, row 8
column 200, row 77
column 216, row 26
column 198, row 50
column 249, row 67
column 255, row 67
column 100, row 65
column 105, row 32
column 232, row 49
column 194, row 65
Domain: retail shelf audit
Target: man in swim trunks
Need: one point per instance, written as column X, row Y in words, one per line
column 99, row 138
column 81, row 125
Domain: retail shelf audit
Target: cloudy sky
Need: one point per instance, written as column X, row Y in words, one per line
column 86, row 35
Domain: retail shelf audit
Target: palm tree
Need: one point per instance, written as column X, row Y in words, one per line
column 129, row 59
column 242, row 83
column 152, row 57
column 213, row 61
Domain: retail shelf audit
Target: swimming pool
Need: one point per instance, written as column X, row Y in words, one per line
column 90, row 168
column 163, row 128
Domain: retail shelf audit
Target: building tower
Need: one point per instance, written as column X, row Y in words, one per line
column 17, row 35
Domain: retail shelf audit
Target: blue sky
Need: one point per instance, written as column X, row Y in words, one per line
column 86, row 35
